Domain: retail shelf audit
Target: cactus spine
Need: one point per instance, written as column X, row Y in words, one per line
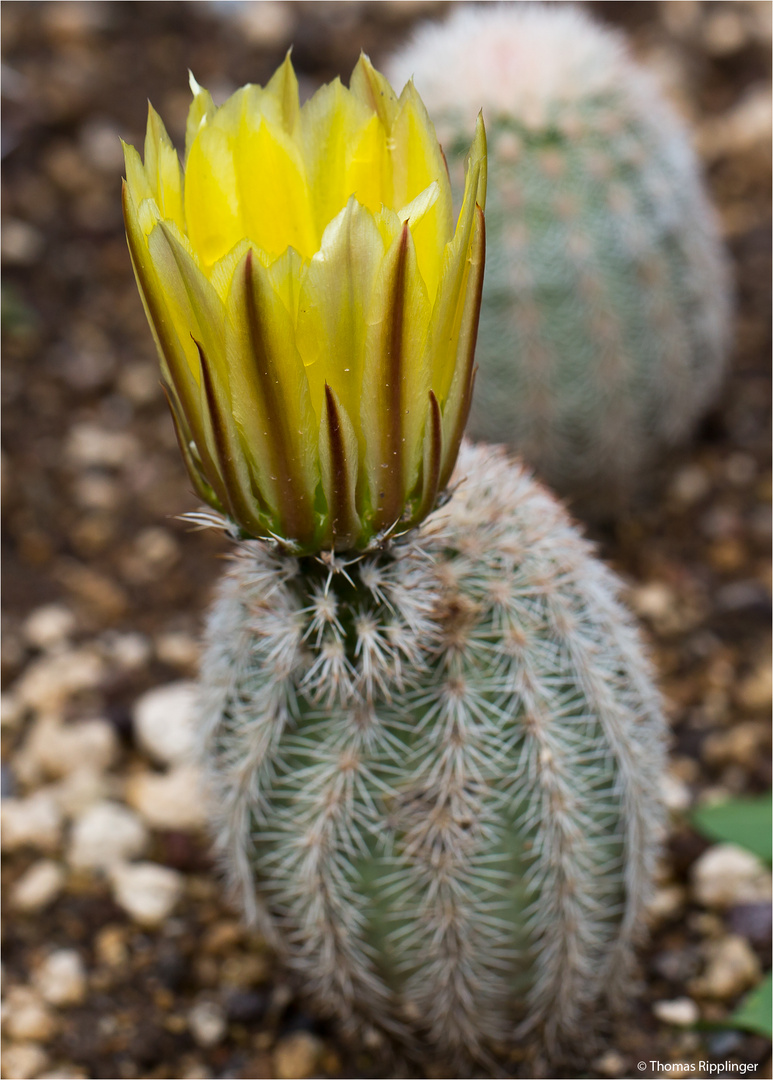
column 436, row 768
column 605, row 318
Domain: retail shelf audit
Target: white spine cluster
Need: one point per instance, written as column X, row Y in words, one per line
column 436, row 768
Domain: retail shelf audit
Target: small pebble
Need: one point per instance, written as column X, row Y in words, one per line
column 610, row 1064
column 48, row 627
column 11, row 711
column 129, row 651
column 48, row 683
column 89, row 446
column 106, row 834
column 726, row 875
column 666, row 904
column 163, row 722
column 247, row 1006
column 61, row 978
column 146, row 891
column 178, row 650
column 755, row 692
column 297, row 1055
column 732, row 968
column 677, row 796
column 34, row 822
column 207, row 1023
column 172, row 800
column 39, row 886
column 23, row 1060
column 80, row 790
column 681, row 1012
column 26, row 1016
column 55, row 749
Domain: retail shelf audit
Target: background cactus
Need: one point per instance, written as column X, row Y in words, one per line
column 605, row 319
column 436, row 767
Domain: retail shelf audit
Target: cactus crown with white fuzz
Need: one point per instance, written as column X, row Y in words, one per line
column 436, row 769
column 605, row 321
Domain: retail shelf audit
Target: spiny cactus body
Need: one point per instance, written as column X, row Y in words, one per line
column 436, row 768
column 605, row 319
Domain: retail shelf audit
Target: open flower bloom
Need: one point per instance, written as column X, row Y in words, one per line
column 315, row 310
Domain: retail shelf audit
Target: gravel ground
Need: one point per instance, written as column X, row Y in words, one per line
column 122, row 957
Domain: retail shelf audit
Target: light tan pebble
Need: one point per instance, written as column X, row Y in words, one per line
column 732, row 968
column 681, row 1012
column 26, row 1016
column 34, row 822
column 23, row 1060
column 106, row 834
column 89, row 446
column 48, row 683
column 297, row 1055
column 269, row 26
column 48, row 627
column 207, row 1024
column 67, row 1072
column 11, row 711
column 755, row 693
column 146, row 891
column 742, row 744
column 55, row 749
column 39, row 886
column 726, row 875
column 676, row 795
column 667, row 904
column 178, row 650
column 111, row 946
column 128, row 651
column 164, row 722
column 690, row 485
column 173, row 800
column 61, row 978
column 21, row 243
column 80, row 790
column 611, row 1064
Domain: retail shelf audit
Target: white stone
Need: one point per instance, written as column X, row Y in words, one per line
column 207, row 1023
column 681, row 1012
column 61, row 978
column 173, row 800
column 726, row 875
column 108, row 833
column 676, row 794
column 80, row 790
column 732, row 968
column 34, row 822
column 94, row 447
column 146, row 891
column 26, row 1016
column 39, row 886
column 23, row 1060
column 55, row 749
column 52, row 680
column 164, row 721
column 49, row 626
column 11, row 711
column 129, row 651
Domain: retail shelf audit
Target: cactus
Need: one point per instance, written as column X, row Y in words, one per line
column 605, row 320
column 435, row 768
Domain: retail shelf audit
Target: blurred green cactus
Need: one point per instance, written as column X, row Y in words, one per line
column 605, row 321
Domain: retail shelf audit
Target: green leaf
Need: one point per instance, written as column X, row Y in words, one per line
column 754, row 1012
column 745, row 822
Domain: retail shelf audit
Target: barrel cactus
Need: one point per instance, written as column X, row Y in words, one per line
column 432, row 740
column 605, row 320
column 437, row 768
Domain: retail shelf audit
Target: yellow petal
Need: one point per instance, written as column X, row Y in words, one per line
column 338, row 455
column 373, row 90
column 417, row 161
column 163, row 171
column 395, row 381
column 344, row 146
column 201, row 109
column 283, row 86
column 136, row 177
column 270, row 398
column 213, row 212
column 334, row 303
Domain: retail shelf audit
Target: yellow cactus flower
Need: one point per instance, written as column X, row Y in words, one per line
column 314, row 308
